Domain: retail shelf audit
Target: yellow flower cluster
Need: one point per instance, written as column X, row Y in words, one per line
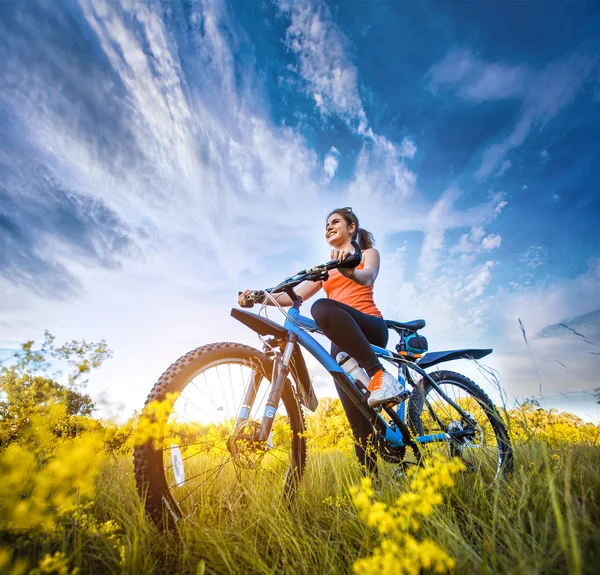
column 43, row 477
column 531, row 422
column 153, row 421
column 56, row 564
column 337, row 501
column 399, row 551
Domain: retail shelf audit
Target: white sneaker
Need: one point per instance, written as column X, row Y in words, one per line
column 385, row 388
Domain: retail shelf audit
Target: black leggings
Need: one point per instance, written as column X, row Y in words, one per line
column 352, row 331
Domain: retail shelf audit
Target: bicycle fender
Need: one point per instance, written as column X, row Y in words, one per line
column 264, row 326
column 259, row 324
column 435, row 357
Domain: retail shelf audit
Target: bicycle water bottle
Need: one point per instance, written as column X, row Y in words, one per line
column 349, row 365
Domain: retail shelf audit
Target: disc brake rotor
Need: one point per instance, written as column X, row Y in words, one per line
column 246, row 450
column 466, row 442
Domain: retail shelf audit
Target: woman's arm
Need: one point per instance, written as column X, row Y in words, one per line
column 305, row 290
column 368, row 274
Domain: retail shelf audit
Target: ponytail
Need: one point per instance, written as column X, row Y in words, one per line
column 364, row 238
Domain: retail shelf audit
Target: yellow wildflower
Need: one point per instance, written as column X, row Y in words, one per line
column 399, row 551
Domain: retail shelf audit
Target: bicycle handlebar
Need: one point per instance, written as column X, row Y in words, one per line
column 314, row 273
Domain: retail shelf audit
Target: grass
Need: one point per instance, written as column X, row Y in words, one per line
column 543, row 519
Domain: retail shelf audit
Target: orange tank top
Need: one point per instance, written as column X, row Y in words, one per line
column 344, row 290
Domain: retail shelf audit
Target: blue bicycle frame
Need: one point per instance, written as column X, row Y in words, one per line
column 292, row 333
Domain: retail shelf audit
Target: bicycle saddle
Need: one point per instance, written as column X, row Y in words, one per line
column 414, row 325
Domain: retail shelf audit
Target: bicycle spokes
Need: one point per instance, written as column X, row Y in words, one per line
column 212, row 435
column 469, row 435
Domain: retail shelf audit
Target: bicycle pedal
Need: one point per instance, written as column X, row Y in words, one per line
column 398, row 398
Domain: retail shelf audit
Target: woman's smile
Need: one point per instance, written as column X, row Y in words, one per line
column 337, row 231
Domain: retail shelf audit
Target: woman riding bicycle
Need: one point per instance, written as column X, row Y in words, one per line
column 351, row 320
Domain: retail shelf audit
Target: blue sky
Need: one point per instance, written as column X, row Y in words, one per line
column 157, row 157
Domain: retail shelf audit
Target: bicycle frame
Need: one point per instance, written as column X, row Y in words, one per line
column 293, row 333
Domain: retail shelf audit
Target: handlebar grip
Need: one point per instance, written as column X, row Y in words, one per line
column 247, row 302
column 257, row 296
column 354, row 259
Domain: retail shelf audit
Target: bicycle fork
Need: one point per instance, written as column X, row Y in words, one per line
column 281, row 369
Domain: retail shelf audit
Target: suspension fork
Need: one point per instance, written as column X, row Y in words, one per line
column 281, row 369
column 249, row 398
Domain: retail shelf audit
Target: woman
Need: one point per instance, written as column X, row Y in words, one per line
column 351, row 320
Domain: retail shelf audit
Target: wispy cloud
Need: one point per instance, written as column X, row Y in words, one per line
column 570, row 327
column 544, row 93
column 328, row 75
column 151, row 156
column 476, row 242
column 534, row 256
column 476, row 282
column 477, row 80
column 407, row 148
column 506, row 164
column 552, row 90
column 331, row 163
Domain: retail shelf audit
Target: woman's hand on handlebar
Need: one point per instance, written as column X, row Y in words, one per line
column 242, row 301
column 339, row 255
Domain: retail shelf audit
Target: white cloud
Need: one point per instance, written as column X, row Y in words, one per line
column 476, row 242
column 475, row 79
column 209, row 187
column 331, row 163
column 491, row 242
column 506, row 164
column 476, row 282
column 408, row 148
column 551, row 90
column 539, row 305
column 330, row 77
column 381, row 174
column 543, row 93
column 500, row 206
column 459, row 305
column 534, row 256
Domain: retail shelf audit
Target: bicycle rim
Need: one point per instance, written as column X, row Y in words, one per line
column 487, row 450
column 194, row 463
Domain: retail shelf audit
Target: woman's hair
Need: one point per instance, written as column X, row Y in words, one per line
column 364, row 238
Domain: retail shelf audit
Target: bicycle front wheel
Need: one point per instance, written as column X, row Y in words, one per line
column 480, row 440
column 195, row 454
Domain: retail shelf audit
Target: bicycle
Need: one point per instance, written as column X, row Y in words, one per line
column 261, row 439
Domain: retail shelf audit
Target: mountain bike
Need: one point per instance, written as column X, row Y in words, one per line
column 231, row 419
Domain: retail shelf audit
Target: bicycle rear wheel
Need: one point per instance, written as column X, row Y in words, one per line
column 482, row 443
column 192, row 457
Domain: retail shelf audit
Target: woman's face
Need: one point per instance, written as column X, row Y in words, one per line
column 337, row 231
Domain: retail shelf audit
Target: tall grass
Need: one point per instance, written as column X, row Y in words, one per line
column 545, row 518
